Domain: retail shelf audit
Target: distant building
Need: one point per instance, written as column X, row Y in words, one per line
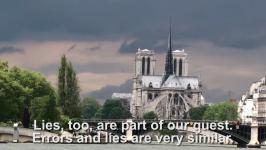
column 127, row 96
column 125, row 99
column 169, row 95
column 253, row 104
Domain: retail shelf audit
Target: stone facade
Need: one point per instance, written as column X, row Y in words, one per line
column 168, row 96
column 253, row 104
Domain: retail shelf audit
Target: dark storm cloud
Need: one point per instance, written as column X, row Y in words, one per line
column 218, row 95
column 239, row 23
column 93, row 67
column 72, row 47
column 10, row 49
column 149, row 44
column 97, row 47
column 107, row 91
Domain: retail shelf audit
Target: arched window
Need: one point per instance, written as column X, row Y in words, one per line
column 173, row 112
column 189, row 87
column 176, row 98
column 143, row 65
column 148, row 66
column 150, row 96
column 150, row 85
column 169, row 96
column 175, row 66
column 156, row 95
column 189, row 95
column 189, row 91
column 180, row 67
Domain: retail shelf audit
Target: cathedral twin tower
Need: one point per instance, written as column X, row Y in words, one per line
column 169, row 95
column 145, row 63
column 175, row 62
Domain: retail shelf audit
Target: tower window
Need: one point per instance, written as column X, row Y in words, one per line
column 150, row 96
column 148, row 65
column 143, row 65
column 175, row 65
column 180, row 67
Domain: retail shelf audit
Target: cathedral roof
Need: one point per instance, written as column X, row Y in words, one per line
column 179, row 51
column 173, row 81
column 155, row 80
column 181, row 82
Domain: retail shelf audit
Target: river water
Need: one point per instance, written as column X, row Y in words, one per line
column 29, row 146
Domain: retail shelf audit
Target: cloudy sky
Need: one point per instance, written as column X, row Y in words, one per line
column 225, row 40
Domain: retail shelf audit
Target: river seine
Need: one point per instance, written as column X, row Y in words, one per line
column 11, row 146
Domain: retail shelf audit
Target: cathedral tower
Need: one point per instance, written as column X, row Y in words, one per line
column 144, row 62
column 180, row 63
column 144, row 66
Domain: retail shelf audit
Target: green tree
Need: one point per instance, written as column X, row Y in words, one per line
column 44, row 108
column 62, row 86
column 197, row 113
column 98, row 113
column 68, row 89
column 19, row 90
column 150, row 115
column 221, row 111
column 11, row 95
column 113, row 109
column 89, row 107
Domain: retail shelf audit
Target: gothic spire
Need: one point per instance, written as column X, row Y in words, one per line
column 170, row 37
column 168, row 70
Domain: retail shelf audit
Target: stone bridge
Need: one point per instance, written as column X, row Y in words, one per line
column 246, row 135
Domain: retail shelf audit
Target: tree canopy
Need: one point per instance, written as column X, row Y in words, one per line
column 197, row 113
column 221, row 111
column 150, row 115
column 68, row 89
column 25, row 96
column 89, row 107
column 113, row 109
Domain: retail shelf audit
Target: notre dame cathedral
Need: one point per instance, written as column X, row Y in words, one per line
column 169, row 95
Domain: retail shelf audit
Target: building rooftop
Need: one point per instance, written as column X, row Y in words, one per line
column 121, row 95
column 173, row 81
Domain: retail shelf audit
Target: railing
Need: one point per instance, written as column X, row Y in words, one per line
column 152, row 120
column 233, row 122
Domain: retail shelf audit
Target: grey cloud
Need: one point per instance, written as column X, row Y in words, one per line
column 218, row 95
column 10, row 49
column 226, row 24
column 89, row 67
column 239, row 23
column 107, row 91
column 97, row 47
column 149, row 44
column 72, row 47
column 103, row 68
